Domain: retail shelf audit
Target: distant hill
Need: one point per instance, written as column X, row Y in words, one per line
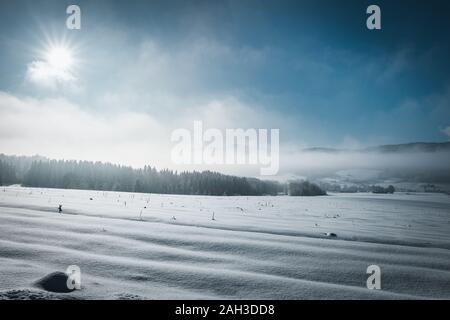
column 392, row 148
column 412, row 147
column 410, row 166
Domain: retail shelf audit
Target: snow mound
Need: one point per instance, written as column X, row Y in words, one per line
column 54, row 282
column 27, row 294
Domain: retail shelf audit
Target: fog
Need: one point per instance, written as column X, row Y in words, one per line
column 366, row 166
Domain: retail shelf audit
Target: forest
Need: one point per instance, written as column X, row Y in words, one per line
column 71, row 174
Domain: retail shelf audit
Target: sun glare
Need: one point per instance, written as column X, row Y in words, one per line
column 59, row 58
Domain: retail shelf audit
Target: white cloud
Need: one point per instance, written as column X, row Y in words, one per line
column 350, row 142
column 447, row 132
column 43, row 73
column 58, row 128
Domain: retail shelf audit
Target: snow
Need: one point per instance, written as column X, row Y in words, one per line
column 151, row 246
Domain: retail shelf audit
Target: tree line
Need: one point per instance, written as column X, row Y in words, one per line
column 304, row 188
column 71, row 174
column 7, row 173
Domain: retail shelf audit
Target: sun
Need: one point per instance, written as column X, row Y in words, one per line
column 56, row 63
column 59, row 57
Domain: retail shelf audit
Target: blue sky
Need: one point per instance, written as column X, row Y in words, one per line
column 310, row 68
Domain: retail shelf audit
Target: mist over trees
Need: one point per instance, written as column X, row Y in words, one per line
column 109, row 177
column 304, row 188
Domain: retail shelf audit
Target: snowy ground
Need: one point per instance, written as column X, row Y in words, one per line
column 256, row 248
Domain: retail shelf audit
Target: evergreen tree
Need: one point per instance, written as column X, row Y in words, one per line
column 69, row 174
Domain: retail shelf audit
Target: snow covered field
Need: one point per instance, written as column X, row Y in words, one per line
column 142, row 246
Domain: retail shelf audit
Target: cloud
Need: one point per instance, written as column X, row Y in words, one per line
column 44, row 74
column 396, row 64
column 58, row 128
column 447, row 132
column 350, row 142
column 134, row 98
column 198, row 67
